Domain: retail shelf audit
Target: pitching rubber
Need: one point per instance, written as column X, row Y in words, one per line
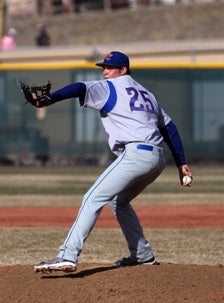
column 49, row 269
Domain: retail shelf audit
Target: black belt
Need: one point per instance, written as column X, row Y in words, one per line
column 145, row 147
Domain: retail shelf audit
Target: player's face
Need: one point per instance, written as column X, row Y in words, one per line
column 112, row 72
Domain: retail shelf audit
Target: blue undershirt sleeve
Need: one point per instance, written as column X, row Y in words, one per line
column 172, row 138
column 74, row 90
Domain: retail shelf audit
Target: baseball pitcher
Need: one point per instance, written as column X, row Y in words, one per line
column 136, row 128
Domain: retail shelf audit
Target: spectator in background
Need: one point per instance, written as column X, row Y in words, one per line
column 68, row 6
column 8, row 41
column 42, row 37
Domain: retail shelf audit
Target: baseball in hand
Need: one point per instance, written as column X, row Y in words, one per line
column 187, row 180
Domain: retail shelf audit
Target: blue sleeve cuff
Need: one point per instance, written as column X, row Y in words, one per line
column 172, row 138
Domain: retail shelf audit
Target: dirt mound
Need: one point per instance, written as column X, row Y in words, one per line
column 103, row 283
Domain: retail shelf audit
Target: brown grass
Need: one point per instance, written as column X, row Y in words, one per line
column 186, row 246
column 179, row 246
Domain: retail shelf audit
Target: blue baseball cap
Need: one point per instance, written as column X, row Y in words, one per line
column 116, row 59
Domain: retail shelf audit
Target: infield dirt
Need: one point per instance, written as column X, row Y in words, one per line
column 96, row 283
column 184, row 226
column 101, row 283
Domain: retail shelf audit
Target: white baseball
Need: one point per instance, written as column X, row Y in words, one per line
column 187, row 180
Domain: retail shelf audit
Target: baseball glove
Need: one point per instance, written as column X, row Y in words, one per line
column 37, row 95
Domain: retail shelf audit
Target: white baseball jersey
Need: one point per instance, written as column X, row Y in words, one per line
column 129, row 112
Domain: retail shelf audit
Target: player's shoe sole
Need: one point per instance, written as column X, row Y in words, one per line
column 56, row 264
column 132, row 262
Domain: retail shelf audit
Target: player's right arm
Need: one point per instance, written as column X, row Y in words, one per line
column 172, row 138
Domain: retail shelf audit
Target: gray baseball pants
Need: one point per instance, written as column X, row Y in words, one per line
column 137, row 166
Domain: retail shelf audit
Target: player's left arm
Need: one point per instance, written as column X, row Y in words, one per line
column 40, row 95
column 173, row 140
column 74, row 90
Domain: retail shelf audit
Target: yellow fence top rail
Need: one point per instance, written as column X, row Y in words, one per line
column 89, row 65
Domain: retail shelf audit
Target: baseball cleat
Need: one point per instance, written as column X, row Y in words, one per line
column 131, row 262
column 56, row 264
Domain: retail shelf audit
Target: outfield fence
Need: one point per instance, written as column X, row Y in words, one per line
column 191, row 92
